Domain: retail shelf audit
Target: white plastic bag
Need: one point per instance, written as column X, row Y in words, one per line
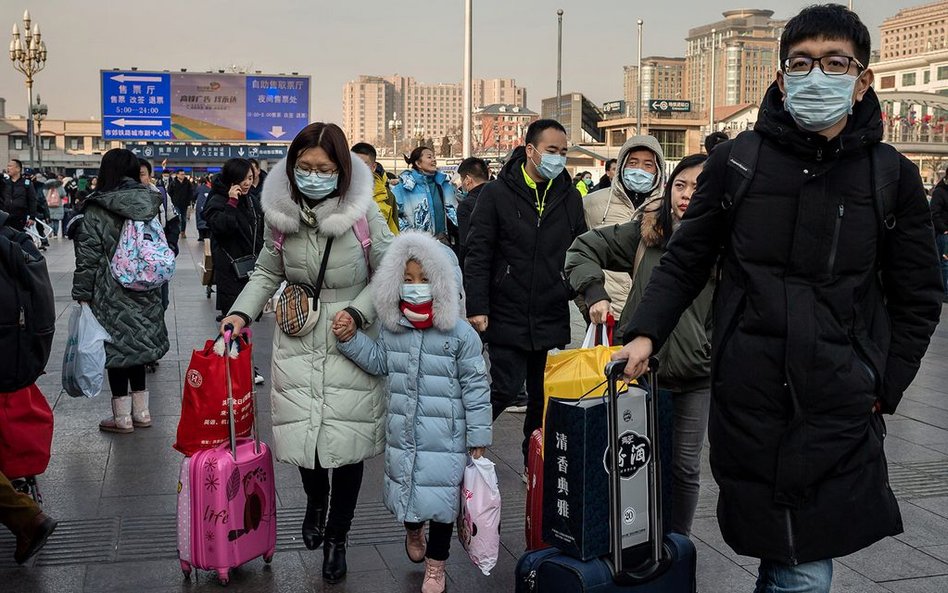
column 84, row 358
column 479, row 520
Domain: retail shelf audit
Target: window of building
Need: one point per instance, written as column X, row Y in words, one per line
column 74, row 142
column 672, row 142
column 17, row 142
column 908, row 79
column 98, row 144
column 942, row 73
column 47, row 142
column 927, row 76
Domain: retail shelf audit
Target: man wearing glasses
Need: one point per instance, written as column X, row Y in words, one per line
column 828, row 293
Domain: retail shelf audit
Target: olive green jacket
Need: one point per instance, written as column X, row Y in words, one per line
column 685, row 359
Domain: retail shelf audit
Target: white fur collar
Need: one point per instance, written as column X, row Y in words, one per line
column 335, row 215
column 441, row 267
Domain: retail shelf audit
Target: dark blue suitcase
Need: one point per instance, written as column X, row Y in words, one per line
column 669, row 567
column 552, row 571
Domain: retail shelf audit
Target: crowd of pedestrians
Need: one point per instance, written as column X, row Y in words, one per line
column 437, row 302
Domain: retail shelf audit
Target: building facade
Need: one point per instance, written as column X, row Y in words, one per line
column 578, row 115
column 914, row 31
column 662, row 78
column 744, row 50
column 500, row 127
column 426, row 111
column 60, row 145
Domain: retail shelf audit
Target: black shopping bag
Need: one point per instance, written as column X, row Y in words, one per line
column 575, row 478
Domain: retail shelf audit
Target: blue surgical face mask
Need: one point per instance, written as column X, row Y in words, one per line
column 551, row 165
column 638, row 181
column 316, row 187
column 416, row 294
column 462, row 193
column 817, row 101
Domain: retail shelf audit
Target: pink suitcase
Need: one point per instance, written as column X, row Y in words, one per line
column 227, row 504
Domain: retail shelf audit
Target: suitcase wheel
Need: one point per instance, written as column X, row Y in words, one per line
column 268, row 557
column 223, row 576
column 186, row 569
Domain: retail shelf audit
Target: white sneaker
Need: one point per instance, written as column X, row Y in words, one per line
column 257, row 378
column 517, row 409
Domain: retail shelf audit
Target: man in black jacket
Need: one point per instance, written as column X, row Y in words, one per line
column 822, row 316
column 17, row 196
column 181, row 193
column 517, row 294
column 606, row 180
column 939, row 208
column 474, row 174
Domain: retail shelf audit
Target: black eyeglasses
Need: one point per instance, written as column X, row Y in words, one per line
column 310, row 172
column 830, row 65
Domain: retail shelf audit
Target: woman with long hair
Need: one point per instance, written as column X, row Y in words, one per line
column 636, row 247
column 134, row 320
column 327, row 412
column 426, row 198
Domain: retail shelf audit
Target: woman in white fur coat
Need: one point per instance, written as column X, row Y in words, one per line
column 327, row 412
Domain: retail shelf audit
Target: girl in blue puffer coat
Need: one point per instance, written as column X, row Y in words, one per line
column 439, row 408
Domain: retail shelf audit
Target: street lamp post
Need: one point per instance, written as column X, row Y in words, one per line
column 468, row 35
column 29, row 57
column 559, row 64
column 714, row 47
column 638, row 114
column 395, row 125
column 39, row 112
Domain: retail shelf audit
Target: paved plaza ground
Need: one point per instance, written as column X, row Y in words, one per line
column 115, row 494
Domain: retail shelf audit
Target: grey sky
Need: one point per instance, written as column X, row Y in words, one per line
column 335, row 41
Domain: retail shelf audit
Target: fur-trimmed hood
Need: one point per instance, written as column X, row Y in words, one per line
column 652, row 233
column 439, row 264
column 336, row 215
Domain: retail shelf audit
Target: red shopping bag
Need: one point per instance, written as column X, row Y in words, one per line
column 26, row 432
column 204, row 418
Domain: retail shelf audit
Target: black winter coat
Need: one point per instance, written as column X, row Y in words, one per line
column 18, row 199
column 236, row 231
column 939, row 207
column 808, row 333
column 513, row 272
column 465, row 210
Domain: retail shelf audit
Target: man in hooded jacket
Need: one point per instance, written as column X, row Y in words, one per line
column 822, row 313
column 644, row 160
column 517, row 293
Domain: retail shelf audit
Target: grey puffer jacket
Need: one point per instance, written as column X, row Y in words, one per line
column 439, row 404
column 320, row 399
column 135, row 320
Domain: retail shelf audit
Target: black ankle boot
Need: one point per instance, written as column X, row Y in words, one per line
column 334, row 557
column 314, row 523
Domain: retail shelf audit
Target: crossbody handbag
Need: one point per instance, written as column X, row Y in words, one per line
column 243, row 266
column 297, row 309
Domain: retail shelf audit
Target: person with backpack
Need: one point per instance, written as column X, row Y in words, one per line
column 828, row 294
column 28, row 310
column 635, row 248
column 55, row 194
column 202, row 192
column 134, row 319
column 324, row 236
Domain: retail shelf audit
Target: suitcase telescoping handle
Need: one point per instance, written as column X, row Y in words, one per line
column 614, row 374
column 228, row 332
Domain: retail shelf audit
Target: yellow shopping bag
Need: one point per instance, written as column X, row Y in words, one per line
column 571, row 374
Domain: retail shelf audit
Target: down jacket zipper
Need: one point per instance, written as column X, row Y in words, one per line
column 835, row 245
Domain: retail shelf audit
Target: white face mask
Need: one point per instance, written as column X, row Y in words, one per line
column 416, row 294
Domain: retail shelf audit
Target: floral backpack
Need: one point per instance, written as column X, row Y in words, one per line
column 143, row 260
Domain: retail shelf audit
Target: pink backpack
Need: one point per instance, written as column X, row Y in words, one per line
column 361, row 231
column 142, row 260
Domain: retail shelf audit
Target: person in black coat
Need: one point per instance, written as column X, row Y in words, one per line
column 517, row 293
column 474, row 174
column 235, row 221
column 181, row 193
column 821, row 315
column 939, row 207
column 17, row 196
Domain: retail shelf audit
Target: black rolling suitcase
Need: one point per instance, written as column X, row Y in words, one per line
column 662, row 564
